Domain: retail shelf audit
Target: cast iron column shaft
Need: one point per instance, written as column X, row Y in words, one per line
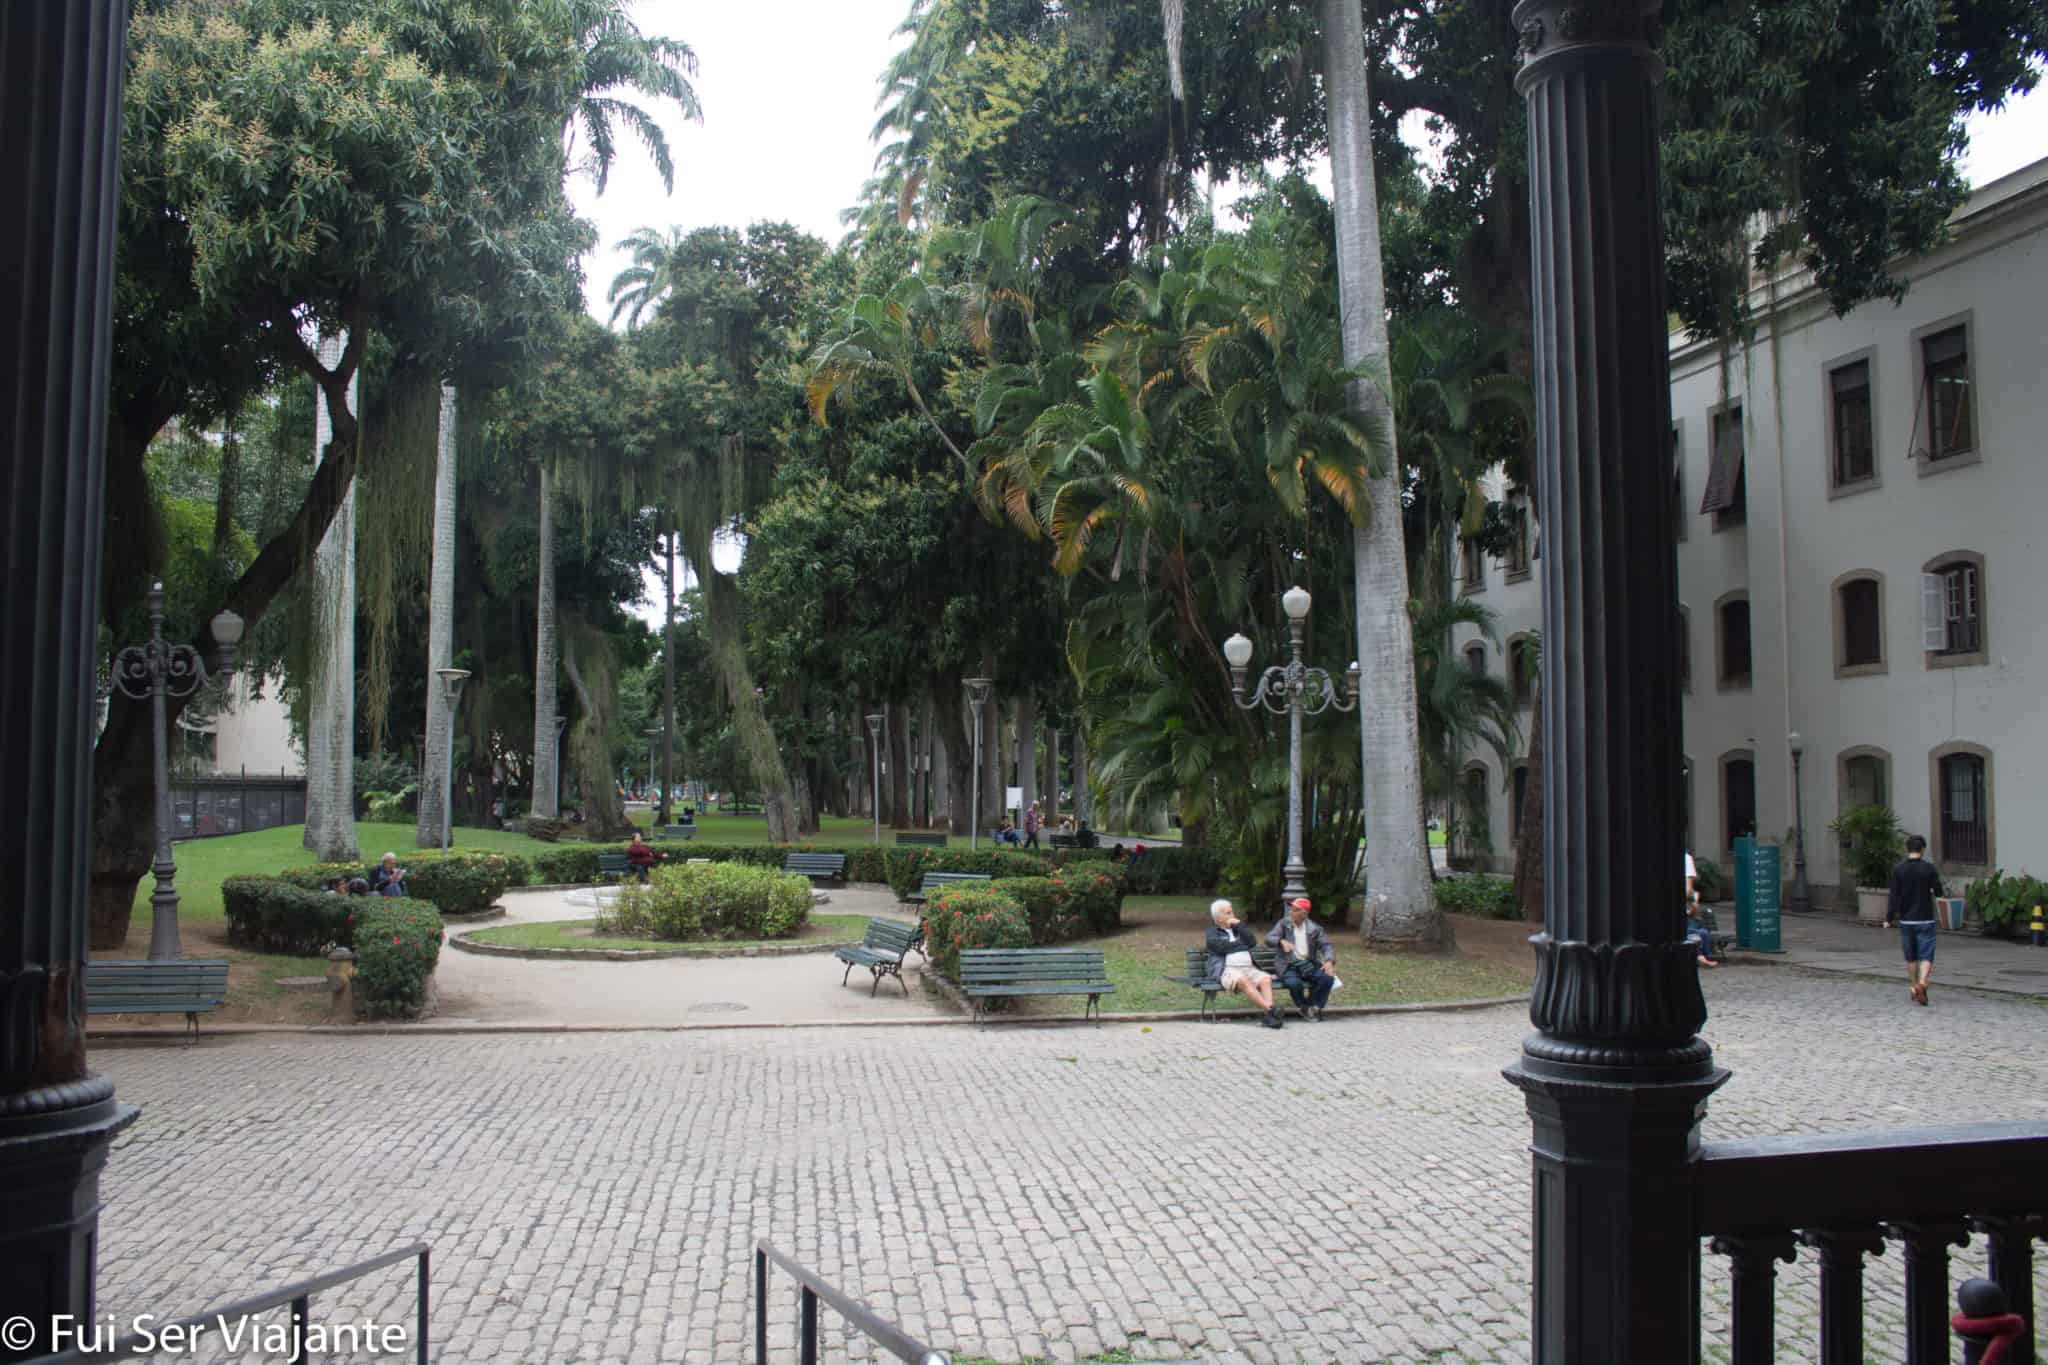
column 1615, row 1077
column 61, row 67
column 1802, row 895
column 1295, row 873
column 163, row 899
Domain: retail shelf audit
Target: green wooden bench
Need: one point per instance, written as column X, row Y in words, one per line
column 934, row 880
column 675, row 831
column 993, row 973
column 1264, row 958
column 882, row 950
column 920, row 841
column 828, row 866
column 1066, row 840
column 191, row 988
column 613, row 867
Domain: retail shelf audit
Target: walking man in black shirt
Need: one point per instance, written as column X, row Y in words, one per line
column 1915, row 884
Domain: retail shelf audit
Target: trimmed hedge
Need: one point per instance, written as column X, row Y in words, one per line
column 461, row 883
column 1174, row 872
column 1071, row 903
column 972, row 915
column 726, row 901
column 398, row 944
column 278, row 915
column 575, row 864
column 907, row 866
column 1488, row 897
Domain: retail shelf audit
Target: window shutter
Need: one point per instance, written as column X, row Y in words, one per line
column 1726, row 467
column 1933, row 612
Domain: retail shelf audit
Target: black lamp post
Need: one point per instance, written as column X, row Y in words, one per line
column 1802, row 897
column 156, row 670
column 977, row 695
column 875, row 755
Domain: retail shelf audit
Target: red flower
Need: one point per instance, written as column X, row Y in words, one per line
column 394, row 938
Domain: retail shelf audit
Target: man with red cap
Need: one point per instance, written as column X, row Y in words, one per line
column 1305, row 957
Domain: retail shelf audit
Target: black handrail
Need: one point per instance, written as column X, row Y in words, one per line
column 298, row 1295
column 812, row 1288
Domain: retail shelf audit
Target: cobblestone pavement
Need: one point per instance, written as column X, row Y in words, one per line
column 1002, row 1193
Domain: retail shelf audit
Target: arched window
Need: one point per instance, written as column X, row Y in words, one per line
column 1952, row 612
column 1962, row 806
column 1475, row 658
column 1521, row 669
column 1863, row 777
column 1472, row 566
column 1738, row 796
column 1518, row 789
column 1731, row 622
column 1476, row 817
column 1859, row 623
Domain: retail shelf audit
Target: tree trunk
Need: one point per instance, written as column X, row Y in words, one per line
column 942, row 739
column 919, row 746
column 331, row 690
column 604, row 815
column 1027, row 753
column 901, row 779
column 1052, row 777
column 1529, row 833
column 756, row 737
column 230, row 490
column 992, row 765
column 668, row 683
column 1399, row 910
column 546, row 750
column 440, row 633
column 956, row 743
column 1084, row 799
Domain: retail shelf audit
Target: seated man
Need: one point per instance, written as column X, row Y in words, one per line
column 1229, row 947
column 389, row 878
column 1306, row 958
column 640, row 857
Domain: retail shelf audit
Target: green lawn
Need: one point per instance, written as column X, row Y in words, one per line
column 573, row 934
column 834, row 831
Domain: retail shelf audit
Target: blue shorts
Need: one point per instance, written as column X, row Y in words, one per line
column 1918, row 941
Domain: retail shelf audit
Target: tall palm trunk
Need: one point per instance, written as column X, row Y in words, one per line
column 1052, row 776
column 1084, row 800
column 992, row 765
column 440, row 632
column 1400, row 909
column 331, row 708
column 1027, row 753
column 901, row 782
column 546, row 750
column 668, row 677
column 941, row 737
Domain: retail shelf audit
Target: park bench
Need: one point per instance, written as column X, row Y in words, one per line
column 882, row 950
column 1264, row 958
column 191, row 988
column 739, row 808
column 934, row 880
column 675, row 831
column 993, row 973
column 1066, row 841
column 830, row 866
column 920, row 841
column 613, row 867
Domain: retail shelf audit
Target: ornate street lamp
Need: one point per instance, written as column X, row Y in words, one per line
column 652, row 809
column 1296, row 689
column 875, row 753
column 452, row 680
column 977, row 693
column 1802, row 897
column 157, row 670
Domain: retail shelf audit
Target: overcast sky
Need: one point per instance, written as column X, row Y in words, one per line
column 788, row 89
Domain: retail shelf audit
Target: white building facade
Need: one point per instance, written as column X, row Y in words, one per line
column 1863, row 561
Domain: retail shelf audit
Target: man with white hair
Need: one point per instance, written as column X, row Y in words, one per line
column 1229, row 945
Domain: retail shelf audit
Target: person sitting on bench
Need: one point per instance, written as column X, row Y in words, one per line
column 640, row 857
column 1306, row 958
column 389, row 878
column 1229, row 946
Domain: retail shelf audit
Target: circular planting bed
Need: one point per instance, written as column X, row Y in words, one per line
column 579, row 940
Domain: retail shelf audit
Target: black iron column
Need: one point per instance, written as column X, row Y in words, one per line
column 1616, row 1076
column 61, row 68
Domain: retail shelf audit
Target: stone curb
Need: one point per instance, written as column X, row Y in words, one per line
column 540, row 1027
column 462, row 943
column 1746, row 958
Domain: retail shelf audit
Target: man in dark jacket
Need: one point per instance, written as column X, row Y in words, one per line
column 1915, row 886
column 1305, row 957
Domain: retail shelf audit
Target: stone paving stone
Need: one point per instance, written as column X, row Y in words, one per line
column 1005, row 1192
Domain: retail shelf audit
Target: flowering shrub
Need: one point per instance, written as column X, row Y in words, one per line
column 972, row 916
column 279, row 916
column 1073, row 902
column 463, row 883
column 907, row 866
column 713, row 901
column 398, row 943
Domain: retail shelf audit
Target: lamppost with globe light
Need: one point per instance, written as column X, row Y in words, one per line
column 154, row 671
column 1298, row 690
column 652, row 735
column 875, row 754
column 1802, row 896
column 977, row 694
column 452, row 680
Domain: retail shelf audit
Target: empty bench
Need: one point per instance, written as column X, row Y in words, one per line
column 675, row 831
column 920, row 840
column 932, row 881
column 882, row 950
column 816, row 866
column 191, row 988
column 995, row 973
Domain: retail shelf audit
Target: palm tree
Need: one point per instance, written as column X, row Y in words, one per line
column 641, row 286
column 618, row 56
column 440, row 632
column 331, row 712
column 1460, row 709
column 546, row 758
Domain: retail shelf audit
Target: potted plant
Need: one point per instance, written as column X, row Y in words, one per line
column 1874, row 844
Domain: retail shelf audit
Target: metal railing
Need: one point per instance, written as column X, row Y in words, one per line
column 1844, row 1196
column 299, row 1296
column 812, row 1288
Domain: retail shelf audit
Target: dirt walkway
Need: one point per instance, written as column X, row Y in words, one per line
column 798, row 989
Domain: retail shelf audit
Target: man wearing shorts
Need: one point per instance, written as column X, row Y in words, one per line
column 1915, row 885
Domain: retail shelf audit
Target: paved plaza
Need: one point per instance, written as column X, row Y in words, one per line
column 1002, row 1193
